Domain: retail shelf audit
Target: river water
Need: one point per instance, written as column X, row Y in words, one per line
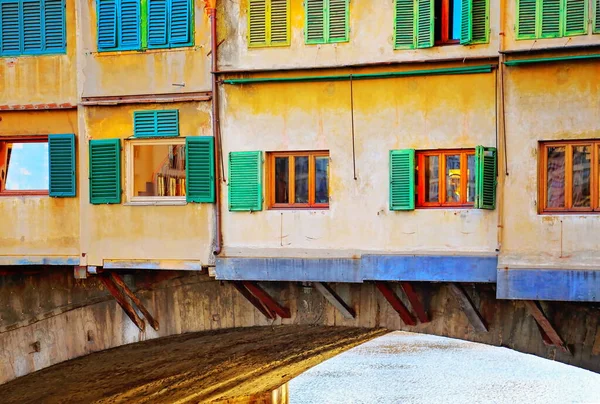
column 412, row 368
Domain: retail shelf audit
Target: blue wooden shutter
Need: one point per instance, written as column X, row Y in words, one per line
column 61, row 158
column 485, row 177
column 402, row 179
column 157, row 23
column 32, row 26
column 404, row 24
column 107, row 24
column 200, row 169
column 10, row 28
column 179, row 22
column 245, row 181
column 129, row 24
column 105, row 171
column 152, row 123
column 54, row 25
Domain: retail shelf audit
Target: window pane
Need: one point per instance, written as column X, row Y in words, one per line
column 432, row 180
column 556, row 177
column 301, row 179
column 582, row 165
column 321, row 179
column 282, row 180
column 452, row 175
column 159, row 170
column 455, row 18
column 471, row 178
column 26, row 167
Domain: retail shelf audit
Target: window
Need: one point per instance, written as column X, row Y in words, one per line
column 138, row 25
column 32, row 27
column 156, row 123
column 326, row 21
column 298, row 180
column 268, row 23
column 551, row 18
column 596, row 13
column 421, row 23
column 569, row 176
column 24, row 167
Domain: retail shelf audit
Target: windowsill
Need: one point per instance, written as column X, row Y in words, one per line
column 446, row 207
column 108, row 53
column 299, row 208
column 570, row 213
column 29, row 55
column 175, row 202
column 23, row 193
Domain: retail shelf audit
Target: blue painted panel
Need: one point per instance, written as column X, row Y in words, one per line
column 425, row 268
column 66, row 261
column 549, row 284
column 288, row 269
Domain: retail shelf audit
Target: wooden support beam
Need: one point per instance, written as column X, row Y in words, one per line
column 127, row 308
column 335, row 300
column 415, row 302
column 396, row 303
column 119, row 281
column 267, row 300
column 467, row 306
column 254, row 301
column 544, row 324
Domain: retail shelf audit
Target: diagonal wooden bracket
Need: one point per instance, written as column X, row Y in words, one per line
column 396, row 303
column 266, row 299
column 119, row 281
column 549, row 334
column 415, row 302
column 254, row 301
column 335, row 300
column 467, row 306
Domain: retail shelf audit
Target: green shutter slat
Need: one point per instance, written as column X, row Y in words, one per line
column 129, row 24
column 315, row 21
column 179, row 22
column 481, row 21
column 156, row 123
column 596, row 16
column 526, row 19
column 404, row 24
column 157, row 23
column 245, row 181
column 337, row 21
column 54, row 25
column 575, row 17
column 550, row 18
column 466, row 22
column 425, row 23
column 402, row 179
column 107, row 24
column 105, row 171
column 10, row 31
column 32, row 26
column 61, row 161
column 200, row 169
column 280, row 22
column 485, row 177
column 257, row 23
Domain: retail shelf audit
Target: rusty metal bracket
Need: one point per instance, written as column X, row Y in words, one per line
column 467, row 306
column 396, row 303
column 254, row 301
column 549, row 334
column 267, row 300
column 119, row 281
column 415, row 302
column 335, row 300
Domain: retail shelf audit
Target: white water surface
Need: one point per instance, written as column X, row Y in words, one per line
column 403, row 367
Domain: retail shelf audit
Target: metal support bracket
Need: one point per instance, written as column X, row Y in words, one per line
column 467, row 306
column 262, row 300
column 254, row 301
column 335, row 300
column 396, row 303
column 549, row 334
column 415, row 302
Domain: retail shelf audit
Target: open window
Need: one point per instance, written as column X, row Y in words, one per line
column 24, row 166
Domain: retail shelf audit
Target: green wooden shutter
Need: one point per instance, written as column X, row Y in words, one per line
column 107, row 24
column 550, row 18
column 404, row 24
column 54, row 25
column 424, row 24
column 105, row 171
column 245, row 181
column 314, row 32
column 485, row 177
column 157, row 23
column 279, row 27
column 526, row 19
column 402, row 179
column 575, row 17
column 596, row 16
column 156, row 123
column 129, row 24
column 466, row 22
column 61, row 161
column 257, row 23
column 180, row 22
column 337, row 21
column 200, row 169
column 475, row 22
column 32, row 26
column 10, row 28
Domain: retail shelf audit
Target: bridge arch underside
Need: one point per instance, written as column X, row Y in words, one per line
column 48, row 317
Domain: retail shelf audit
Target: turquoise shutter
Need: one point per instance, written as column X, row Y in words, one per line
column 257, row 23
column 129, row 24
column 152, row 123
column 54, row 25
column 10, row 28
column 107, row 24
column 200, row 169
column 280, row 22
column 314, row 32
column 575, row 17
column 466, row 22
column 105, row 171
column 402, row 179
column 596, row 16
column 245, row 181
column 550, row 18
column 337, row 21
column 526, row 19
column 404, row 24
column 485, row 177
column 425, row 23
column 32, row 26
column 61, row 158
column 157, row 23
column 179, row 22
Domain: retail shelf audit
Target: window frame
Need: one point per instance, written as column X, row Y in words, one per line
column 420, row 178
column 543, row 177
column 445, row 26
column 271, row 156
column 25, row 139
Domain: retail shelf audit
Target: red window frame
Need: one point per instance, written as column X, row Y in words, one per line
column 445, row 25
column 3, row 156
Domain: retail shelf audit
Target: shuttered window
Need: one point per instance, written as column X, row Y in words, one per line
column 551, row 18
column 245, row 181
column 326, row 21
column 150, row 24
column 402, row 179
column 200, row 169
column 268, row 23
column 32, row 27
column 475, row 22
column 61, row 162
column 485, row 177
column 152, row 123
column 105, row 171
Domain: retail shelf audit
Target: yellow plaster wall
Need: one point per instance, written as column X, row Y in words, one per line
column 158, row 71
column 145, row 232
column 42, row 79
column 39, row 225
column 415, row 112
column 557, row 101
